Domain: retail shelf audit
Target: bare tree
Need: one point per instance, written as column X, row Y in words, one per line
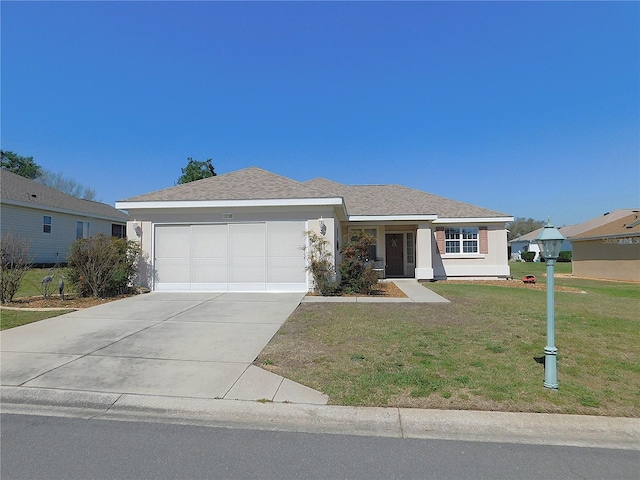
column 15, row 261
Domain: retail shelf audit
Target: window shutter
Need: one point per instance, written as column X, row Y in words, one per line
column 484, row 239
column 440, row 239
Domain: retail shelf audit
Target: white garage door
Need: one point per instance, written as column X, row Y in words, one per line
column 243, row 257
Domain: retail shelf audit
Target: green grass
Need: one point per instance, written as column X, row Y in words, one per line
column 475, row 353
column 31, row 284
column 16, row 318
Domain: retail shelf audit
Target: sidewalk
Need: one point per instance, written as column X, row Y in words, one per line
column 526, row 428
column 415, row 292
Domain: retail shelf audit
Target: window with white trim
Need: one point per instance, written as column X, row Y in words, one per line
column 461, row 239
column 410, row 248
column 46, row 224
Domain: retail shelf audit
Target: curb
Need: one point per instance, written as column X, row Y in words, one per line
column 465, row 425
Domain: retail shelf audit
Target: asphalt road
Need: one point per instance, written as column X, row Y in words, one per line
column 35, row 447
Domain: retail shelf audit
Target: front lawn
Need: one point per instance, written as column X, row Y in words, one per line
column 475, row 353
column 16, row 318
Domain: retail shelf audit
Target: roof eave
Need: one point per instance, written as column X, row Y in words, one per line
column 270, row 202
column 452, row 220
column 390, row 218
column 78, row 213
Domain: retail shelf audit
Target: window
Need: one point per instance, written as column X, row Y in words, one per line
column 118, row 230
column 461, row 240
column 46, row 224
column 410, row 248
column 82, row 230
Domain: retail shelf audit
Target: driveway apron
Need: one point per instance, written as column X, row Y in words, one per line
column 198, row 345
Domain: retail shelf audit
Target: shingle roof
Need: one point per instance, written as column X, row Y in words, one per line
column 383, row 200
column 247, row 184
column 571, row 231
column 628, row 226
column 367, row 200
column 28, row 192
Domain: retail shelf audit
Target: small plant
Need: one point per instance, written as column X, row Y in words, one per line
column 356, row 269
column 528, row 256
column 320, row 264
column 15, row 261
column 565, row 256
column 102, row 266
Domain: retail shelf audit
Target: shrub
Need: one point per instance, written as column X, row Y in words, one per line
column 565, row 256
column 320, row 265
column 102, row 266
column 528, row 256
column 15, row 261
column 355, row 268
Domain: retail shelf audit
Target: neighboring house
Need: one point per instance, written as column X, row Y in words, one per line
column 244, row 231
column 610, row 251
column 51, row 220
column 527, row 242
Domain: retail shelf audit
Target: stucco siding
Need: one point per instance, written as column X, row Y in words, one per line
column 607, row 258
column 51, row 247
column 494, row 263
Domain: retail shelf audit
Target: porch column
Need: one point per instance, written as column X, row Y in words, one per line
column 424, row 266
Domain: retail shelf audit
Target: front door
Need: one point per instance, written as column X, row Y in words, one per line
column 394, row 254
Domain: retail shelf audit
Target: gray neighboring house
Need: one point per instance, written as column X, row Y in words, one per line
column 245, row 230
column 51, row 220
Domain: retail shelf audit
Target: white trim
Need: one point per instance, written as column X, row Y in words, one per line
column 76, row 213
column 463, row 220
column 389, row 218
column 463, row 255
column 270, row 202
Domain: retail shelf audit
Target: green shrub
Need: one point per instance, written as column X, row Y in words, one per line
column 102, row 266
column 565, row 256
column 356, row 270
column 528, row 256
column 15, row 261
column 320, row 265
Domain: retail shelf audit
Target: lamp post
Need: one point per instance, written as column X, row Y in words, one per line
column 550, row 241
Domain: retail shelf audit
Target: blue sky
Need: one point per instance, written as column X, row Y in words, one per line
column 531, row 109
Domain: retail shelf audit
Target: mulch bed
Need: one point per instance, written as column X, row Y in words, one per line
column 385, row 289
column 69, row 302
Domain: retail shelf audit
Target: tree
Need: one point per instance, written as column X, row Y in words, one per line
column 15, row 261
column 66, row 185
column 23, row 166
column 196, row 170
column 356, row 269
column 521, row 226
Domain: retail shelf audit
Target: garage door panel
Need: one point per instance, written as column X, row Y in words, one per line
column 210, row 241
column 286, row 270
column 286, row 239
column 171, row 241
column 247, row 270
column 173, row 270
column 247, row 240
column 209, row 270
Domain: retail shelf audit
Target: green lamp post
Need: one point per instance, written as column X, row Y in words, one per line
column 550, row 240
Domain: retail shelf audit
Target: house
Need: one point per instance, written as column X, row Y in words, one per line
column 610, row 251
column 527, row 242
column 244, row 231
column 51, row 220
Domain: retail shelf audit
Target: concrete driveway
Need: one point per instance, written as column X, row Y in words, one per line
column 198, row 345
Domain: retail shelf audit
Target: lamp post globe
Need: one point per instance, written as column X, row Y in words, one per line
column 550, row 241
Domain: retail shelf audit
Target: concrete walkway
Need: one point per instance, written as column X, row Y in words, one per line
column 415, row 292
column 198, row 345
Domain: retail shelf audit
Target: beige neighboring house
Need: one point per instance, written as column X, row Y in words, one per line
column 51, row 220
column 610, row 251
column 244, row 231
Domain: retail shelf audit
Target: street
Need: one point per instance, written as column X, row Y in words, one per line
column 35, row 447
